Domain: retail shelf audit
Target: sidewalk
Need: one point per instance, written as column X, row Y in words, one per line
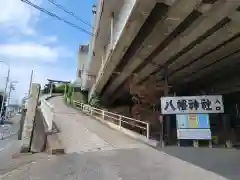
column 87, row 134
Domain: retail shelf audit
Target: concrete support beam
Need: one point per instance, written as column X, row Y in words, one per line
column 29, row 119
column 176, row 15
column 220, row 9
column 200, row 67
column 136, row 19
column 223, row 63
column 227, row 32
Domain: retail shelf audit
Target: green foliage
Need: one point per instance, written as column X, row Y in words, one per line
column 69, row 91
column 56, row 88
column 60, row 89
column 95, row 101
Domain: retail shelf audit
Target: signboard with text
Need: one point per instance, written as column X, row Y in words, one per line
column 192, row 105
column 193, row 126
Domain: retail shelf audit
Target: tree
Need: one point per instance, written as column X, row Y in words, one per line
column 60, row 88
column 146, row 99
column 47, row 88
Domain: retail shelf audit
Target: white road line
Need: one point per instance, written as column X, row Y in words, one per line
column 16, row 170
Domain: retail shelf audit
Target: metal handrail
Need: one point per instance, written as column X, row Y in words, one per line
column 116, row 117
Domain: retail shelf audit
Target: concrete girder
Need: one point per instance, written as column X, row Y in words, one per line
column 174, row 17
column 214, row 74
column 142, row 9
column 222, row 35
column 214, row 65
column 225, row 84
column 227, row 62
column 196, row 69
column 218, row 12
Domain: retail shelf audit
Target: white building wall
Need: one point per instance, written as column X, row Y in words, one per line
column 84, row 79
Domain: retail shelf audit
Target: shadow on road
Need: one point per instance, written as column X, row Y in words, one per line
column 225, row 162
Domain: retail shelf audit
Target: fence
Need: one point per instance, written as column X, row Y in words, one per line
column 48, row 113
column 138, row 126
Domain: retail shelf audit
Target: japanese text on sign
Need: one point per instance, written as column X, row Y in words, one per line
column 192, row 104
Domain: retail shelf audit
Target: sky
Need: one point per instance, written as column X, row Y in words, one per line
column 31, row 40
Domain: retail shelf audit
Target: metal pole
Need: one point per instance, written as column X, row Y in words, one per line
column 4, row 94
column 30, row 84
column 166, row 122
column 8, row 101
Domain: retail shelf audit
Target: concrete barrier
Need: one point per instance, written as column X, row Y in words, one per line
column 39, row 135
column 43, row 140
column 23, row 115
column 43, row 136
column 54, row 145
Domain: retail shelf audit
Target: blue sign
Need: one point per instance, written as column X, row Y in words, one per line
column 193, row 126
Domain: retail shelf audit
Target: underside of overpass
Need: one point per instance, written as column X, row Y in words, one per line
column 185, row 47
column 190, row 41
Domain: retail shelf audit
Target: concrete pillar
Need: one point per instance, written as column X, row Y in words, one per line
column 29, row 118
column 51, row 88
column 112, row 29
column 227, row 130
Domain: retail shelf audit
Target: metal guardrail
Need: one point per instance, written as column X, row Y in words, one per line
column 48, row 113
column 117, row 119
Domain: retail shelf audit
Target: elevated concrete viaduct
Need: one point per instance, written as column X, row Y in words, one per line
column 188, row 37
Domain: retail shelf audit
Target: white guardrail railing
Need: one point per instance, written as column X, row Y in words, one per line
column 48, row 113
column 121, row 121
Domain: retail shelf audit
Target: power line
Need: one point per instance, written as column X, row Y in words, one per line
column 57, row 17
column 69, row 12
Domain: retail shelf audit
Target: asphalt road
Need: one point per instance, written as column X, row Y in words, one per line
column 10, row 157
column 120, row 162
column 8, row 141
column 9, row 128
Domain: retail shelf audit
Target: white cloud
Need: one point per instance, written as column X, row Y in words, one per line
column 18, row 16
column 25, row 49
column 33, row 51
column 50, row 39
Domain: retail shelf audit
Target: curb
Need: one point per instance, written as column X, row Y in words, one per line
column 54, row 145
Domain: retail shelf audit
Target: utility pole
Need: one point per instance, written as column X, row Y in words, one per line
column 30, row 84
column 12, row 87
column 4, row 95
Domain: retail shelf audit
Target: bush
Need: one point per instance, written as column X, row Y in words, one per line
column 95, row 101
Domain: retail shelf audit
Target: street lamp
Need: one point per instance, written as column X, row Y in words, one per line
column 5, row 89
